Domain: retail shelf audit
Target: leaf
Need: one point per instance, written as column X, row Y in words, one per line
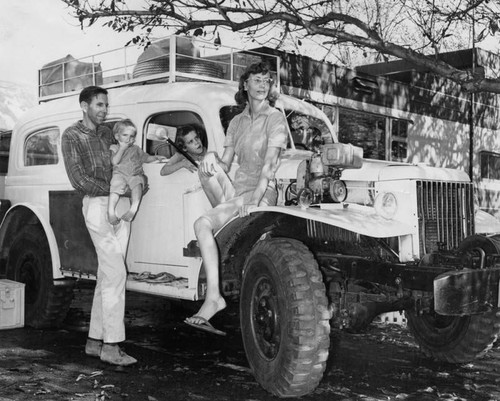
column 198, row 32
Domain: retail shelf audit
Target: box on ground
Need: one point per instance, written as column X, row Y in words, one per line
column 11, row 304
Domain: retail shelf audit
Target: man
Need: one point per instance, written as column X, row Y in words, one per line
column 85, row 147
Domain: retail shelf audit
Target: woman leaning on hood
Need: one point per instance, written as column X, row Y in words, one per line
column 256, row 137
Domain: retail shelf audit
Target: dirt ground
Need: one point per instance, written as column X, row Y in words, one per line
column 179, row 363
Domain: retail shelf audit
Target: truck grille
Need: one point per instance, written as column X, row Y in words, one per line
column 445, row 214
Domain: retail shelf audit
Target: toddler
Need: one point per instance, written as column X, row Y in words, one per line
column 128, row 174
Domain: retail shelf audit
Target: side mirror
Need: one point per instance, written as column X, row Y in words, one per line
column 161, row 133
column 164, row 133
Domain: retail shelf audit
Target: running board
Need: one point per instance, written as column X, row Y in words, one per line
column 176, row 289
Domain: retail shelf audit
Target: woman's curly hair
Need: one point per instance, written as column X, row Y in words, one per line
column 262, row 67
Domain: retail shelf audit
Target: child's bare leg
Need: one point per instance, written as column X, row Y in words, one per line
column 135, row 201
column 112, row 201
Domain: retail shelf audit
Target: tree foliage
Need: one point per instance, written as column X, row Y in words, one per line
column 405, row 29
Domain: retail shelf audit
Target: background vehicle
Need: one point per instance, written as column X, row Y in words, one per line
column 349, row 239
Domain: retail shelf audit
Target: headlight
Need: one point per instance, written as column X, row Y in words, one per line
column 386, row 205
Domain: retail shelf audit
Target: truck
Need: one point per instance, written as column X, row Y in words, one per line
column 350, row 237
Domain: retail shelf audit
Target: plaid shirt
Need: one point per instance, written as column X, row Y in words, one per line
column 88, row 159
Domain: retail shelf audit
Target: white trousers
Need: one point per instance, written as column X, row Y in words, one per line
column 110, row 242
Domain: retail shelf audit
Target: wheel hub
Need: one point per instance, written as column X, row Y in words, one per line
column 266, row 319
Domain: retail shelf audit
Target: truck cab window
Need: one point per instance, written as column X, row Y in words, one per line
column 41, row 148
column 164, row 125
column 365, row 130
column 5, row 137
column 399, row 140
column 308, row 132
column 490, row 165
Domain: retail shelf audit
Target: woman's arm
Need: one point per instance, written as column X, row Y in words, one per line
column 176, row 162
column 271, row 161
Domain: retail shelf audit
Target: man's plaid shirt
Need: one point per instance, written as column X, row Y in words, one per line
column 88, row 159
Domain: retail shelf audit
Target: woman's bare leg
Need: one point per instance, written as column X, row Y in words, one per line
column 213, row 299
column 218, row 187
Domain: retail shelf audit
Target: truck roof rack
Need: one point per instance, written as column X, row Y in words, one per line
column 170, row 59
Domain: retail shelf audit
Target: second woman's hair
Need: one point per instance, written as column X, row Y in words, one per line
column 263, row 68
column 186, row 129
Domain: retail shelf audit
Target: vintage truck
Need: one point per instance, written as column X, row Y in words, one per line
column 350, row 238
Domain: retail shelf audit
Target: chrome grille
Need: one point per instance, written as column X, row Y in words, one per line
column 445, row 214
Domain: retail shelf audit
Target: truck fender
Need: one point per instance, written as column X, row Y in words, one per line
column 353, row 218
column 30, row 212
column 239, row 235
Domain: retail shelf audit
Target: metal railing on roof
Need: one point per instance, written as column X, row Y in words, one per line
column 171, row 59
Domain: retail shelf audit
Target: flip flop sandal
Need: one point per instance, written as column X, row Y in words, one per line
column 142, row 276
column 205, row 325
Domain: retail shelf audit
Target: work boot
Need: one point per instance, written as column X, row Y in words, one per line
column 112, row 353
column 93, row 347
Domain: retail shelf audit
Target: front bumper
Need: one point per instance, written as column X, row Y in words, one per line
column 467, row 291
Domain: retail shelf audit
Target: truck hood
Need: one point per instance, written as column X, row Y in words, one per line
column 379, row 170
column 375, row 170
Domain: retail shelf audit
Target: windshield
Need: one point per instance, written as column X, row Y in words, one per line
column 305, row 131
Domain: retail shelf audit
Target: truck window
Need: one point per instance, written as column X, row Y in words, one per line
column 168, row 123
column 308, row 132
column 227, row 113
column 399, row 140
column 5, row 137
column 365, row 130
column 490, row 165
column 40, row 148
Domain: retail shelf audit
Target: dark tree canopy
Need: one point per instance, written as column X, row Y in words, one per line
column 404, row 29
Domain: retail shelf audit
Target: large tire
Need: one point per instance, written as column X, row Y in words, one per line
column 458, row 339
column 454, row 339
column 29, row 262
column 284, row 317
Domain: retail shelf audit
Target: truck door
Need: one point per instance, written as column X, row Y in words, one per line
column 163, row 227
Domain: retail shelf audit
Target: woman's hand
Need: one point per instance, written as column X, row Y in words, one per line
column 245, row 209
column 208, row 164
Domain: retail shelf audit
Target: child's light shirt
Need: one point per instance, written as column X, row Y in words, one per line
column 131, row 161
